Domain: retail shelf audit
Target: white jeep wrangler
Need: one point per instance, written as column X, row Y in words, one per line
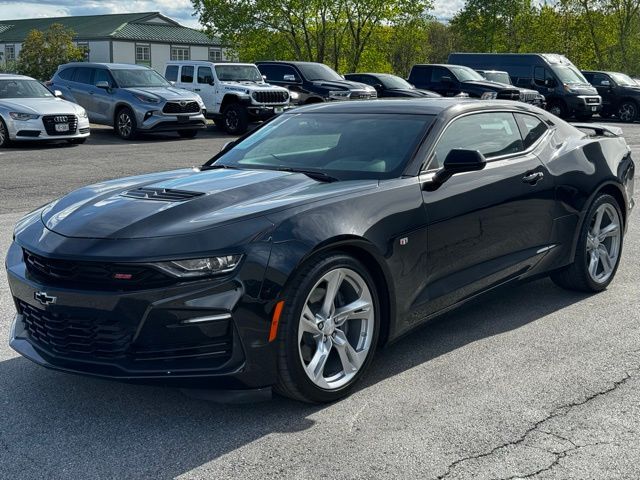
column 234, row 94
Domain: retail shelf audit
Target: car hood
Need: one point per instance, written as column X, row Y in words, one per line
column 341, row 85
column 415, row 92
column 42, row 106
column 486, row 84
column 248, row 87
column 106, row 210
column 165, row 93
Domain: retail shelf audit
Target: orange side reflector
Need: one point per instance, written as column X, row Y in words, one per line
column 275, row 321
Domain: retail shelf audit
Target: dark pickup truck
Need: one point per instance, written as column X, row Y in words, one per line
column 620, row 94
column 451, row 80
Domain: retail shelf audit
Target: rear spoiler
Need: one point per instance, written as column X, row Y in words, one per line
column 599, row 130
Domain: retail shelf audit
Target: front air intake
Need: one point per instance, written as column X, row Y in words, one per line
column 162, row 194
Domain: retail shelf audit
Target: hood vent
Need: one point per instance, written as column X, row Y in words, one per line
column 162, row 194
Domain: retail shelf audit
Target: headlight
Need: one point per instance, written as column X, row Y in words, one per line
column 294, row 95
column 340, row 94
column 489, row 96
column 200, row 267
column 23, row 116
column 146, row 99
column 83, row 114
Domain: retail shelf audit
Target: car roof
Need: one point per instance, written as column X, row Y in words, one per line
column 110, row 66
column 447, row 65
column 207, row 62
column 14, row 76
column 373, row 74
column 424, row 106
column 286, row 62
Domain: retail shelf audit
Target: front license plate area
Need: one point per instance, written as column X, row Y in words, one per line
column 62, row 127
column 594, row 109
column 278, row 110
column 183, row 119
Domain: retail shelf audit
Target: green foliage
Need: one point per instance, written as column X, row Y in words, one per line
column 42, row 52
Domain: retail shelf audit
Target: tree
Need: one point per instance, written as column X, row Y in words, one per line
column 42, row 52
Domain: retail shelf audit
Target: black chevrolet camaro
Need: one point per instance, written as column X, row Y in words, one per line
column 300, row 248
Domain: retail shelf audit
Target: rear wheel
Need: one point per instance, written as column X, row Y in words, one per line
column 187, row 133
column 628, row 111
column 598, row 249
column 329, row 329
column 125, row 124
column 5, row 141
column 558, row 108
column 235, row 119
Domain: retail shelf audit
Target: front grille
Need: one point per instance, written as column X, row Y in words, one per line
column 271, row 97
column 362, row 95
column 28, row 133
column 94, row 275
column 181, row 107
column 528, row 97
column 508, row 95
column 70, row 336
column 50, row 122
column 593, row 100
column 163, row 194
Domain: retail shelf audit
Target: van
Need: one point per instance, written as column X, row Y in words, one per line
column 566, row 90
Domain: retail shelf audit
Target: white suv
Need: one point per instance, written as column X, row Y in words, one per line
column 234, row 93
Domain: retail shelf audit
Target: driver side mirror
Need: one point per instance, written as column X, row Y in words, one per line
column 103, row 84
column 458, row 161
column 378, row 87
column 290, row 78
column 446, row 79
column 605, row 83
column 57, row 93
column 550, row 82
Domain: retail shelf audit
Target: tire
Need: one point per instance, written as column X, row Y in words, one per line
column 77, row 141
column 627, row 111
column 558, row 108
column 581, row 275
column 5, row 141
column 218, row 123
column 187, row 133
column 235, row 119
column 303, row 344
column 125, row 124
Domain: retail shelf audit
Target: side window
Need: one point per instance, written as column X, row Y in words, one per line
column 276, row 73
column 67, row 73
column 102, row 75
column 83, row 75
column 589, row 76
column 171, row 73
column 186, row 75
column 598, row 78
column 420, row 75
column 532, row 129
column 492, row 134
column 205, row 75
column 539, row 76
column 438, row 72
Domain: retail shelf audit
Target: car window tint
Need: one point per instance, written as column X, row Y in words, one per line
column 598, row 78
column 186, row 76
column 420, row 75
column 205, row 75
column 532, row 129
column 67, row 73
column 438, row 72
column 83, row 75
column 171, row 73
column 101, row 75
column 276, row 73
column 492, row 134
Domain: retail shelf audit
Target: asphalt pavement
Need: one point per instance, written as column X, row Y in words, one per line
column 527, row 382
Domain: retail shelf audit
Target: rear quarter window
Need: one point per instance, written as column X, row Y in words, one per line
column 67, row 73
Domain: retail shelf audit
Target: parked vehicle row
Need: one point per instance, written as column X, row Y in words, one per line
column 620, row 94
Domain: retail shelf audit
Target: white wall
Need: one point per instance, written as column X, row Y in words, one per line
column 160, row 55
column 199, row 53
column 99, row 51
column 124, row 52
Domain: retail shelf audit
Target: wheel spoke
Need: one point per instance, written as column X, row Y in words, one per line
column 319, row 360
column 350, row 359
column 308, row 322
column 607, row 264
column 593, row 263
column 357, row 309
column 598, row 221
column 334, row 280
column 608, row 231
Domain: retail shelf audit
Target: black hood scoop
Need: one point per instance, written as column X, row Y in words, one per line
column 162, row 194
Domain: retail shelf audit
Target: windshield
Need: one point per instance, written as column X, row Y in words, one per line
column 344, row 146
column 569, row 75
column 139, row 78
column 318, row 71
column 622, row 79
column 392, row 82
column 238, row 73
column 500, row 77
column 464, row 74
column 23, row 89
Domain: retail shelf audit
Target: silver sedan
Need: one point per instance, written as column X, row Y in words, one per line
column 28, row 111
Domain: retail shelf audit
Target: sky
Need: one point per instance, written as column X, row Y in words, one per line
column 179, row 10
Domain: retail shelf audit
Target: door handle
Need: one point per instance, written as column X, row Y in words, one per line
column 196, row 89
column 533, row 177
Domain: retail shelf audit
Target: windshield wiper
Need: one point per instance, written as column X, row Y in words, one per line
column 320, row 176
column 216, row 166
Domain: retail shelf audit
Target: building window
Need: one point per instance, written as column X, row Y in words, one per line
column 143, row 54
column 10, row 53
column 180, row 53
column 215, row 55
column 84, row 48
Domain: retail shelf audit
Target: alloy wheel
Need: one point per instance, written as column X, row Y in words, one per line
column 125, row 125
column 627, row 112
column 336, row 328
column 603, row 243
column 231, row 120
column 3, row 134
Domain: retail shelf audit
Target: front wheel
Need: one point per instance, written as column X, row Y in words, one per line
column 187, row 133
column 126, row 125
column 598, row 249
column 628, row 111
column 235, row 119
column 558, row 108
column 329, row 329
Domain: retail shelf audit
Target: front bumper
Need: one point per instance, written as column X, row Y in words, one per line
column 585, row 104
column 29, row 130
column 264, row 112
column 141, row 335
column 153, row 120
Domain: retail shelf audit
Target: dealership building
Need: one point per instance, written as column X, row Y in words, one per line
column 149, row 38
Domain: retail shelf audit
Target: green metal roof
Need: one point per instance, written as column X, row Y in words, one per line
column 125, row 26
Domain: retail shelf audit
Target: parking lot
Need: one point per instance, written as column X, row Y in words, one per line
column 528, row 382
